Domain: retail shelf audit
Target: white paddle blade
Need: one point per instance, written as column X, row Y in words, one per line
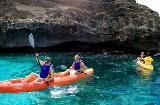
column 31, row 40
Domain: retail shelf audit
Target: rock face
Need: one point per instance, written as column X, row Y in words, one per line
column 79, row 25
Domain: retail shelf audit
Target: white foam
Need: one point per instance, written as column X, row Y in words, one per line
column 60, row 92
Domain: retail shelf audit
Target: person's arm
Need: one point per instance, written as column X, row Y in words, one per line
column 52, row 75
column 83, row 66
column 72, row 66
column 139, row 58
column 38, row 60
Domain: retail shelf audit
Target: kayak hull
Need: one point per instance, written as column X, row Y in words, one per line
column 147, row 67
column 15, row 85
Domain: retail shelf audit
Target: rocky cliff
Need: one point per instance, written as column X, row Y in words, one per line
column 79, row 25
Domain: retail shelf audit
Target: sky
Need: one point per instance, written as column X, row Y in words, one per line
column 153, row 4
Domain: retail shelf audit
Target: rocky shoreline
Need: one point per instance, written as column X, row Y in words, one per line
column 118, row 26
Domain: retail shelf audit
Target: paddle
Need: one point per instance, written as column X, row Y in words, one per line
column 158, row 54
column 31, row 40
column 91, row 75
column 94, row 76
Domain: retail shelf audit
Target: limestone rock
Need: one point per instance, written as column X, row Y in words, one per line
column 80, row 25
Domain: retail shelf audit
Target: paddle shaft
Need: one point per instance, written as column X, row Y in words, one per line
column 92, row 75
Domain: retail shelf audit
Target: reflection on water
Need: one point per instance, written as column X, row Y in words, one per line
column 144, row 72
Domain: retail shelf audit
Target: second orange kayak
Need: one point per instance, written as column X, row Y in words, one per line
column 15, row 85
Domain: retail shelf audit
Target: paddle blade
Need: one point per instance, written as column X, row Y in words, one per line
column 31, row 40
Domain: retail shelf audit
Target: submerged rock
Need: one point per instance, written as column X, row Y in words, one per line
column 121, row 26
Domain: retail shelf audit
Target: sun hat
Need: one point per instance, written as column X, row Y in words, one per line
column 47, row 59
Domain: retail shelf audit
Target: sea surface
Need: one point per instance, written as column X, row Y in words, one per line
column 120, row 81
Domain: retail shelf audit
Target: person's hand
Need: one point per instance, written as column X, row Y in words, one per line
column 46, row 79
column 36, row 55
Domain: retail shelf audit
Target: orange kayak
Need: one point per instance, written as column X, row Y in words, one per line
column 15, row 85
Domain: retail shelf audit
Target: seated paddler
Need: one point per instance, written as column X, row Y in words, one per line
column 77, row 67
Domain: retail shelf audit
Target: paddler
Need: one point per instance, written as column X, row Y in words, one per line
column 77, row 67
column 141, row 57
column 148, row 59
column 46, row 73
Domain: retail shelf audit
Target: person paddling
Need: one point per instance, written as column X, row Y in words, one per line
column 77, row 67
column 46, row 73
column 141, row 57
column 148, row 59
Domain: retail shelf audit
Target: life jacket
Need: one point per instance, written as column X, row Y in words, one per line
column 77, row 65
column 45, row 70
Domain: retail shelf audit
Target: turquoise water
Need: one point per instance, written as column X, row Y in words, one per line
column 119, row 84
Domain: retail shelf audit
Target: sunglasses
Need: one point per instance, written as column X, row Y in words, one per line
column 46, row 62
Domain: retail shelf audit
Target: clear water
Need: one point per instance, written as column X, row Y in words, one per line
column 119, row 84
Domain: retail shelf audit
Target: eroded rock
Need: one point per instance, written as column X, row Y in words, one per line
column 85, row 25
